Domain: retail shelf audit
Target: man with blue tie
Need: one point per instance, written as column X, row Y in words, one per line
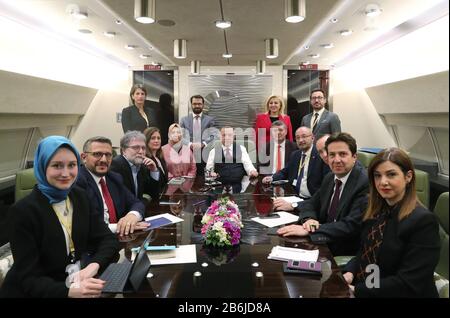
column 334, row 213
column 305, row 169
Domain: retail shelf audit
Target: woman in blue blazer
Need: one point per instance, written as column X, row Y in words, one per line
column 400, row 244
column 54, row 232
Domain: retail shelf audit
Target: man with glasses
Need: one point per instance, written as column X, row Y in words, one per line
column 321, row 121
column 140, row 174
column 109, row 197
column 305, row 170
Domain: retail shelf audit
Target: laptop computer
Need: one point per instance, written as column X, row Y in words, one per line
column 127, row 277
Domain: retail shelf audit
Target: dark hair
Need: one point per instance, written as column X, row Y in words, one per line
column 344, row 137
column 100, row 139
column 376, row 201
column 198, row 97
column 136, row 87
column 279, row 123
column 148, row 132
column 318, row 90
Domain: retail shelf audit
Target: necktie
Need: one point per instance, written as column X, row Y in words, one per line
column 300, row 173
column 334, row 202
column 108, row 201
column 279, row 158
column 228, row 156
column 316, row 116
column 197, row 129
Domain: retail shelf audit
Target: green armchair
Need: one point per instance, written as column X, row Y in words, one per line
column 441, row 272
column 25, row 182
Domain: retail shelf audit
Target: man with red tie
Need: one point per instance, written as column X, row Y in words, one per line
column 334, row 213
column 109, row 196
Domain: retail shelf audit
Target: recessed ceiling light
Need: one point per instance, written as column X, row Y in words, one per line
column 79, row 15
column 346, row 32
column 305, row 63
column 334, row 20
column 154, row 63
column 372, row 10
column 327, row 45
column 130, row 46
column 85, row 31
column 118, row 21
column 222, row 24
column 109, row 34
column 227, row 55
column 145, row 56
column 314, row 56
column 306, row 47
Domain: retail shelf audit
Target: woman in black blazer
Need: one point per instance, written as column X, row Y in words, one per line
column 154, row 152
column 137, row 116
column 400, row 239
column 54, row 233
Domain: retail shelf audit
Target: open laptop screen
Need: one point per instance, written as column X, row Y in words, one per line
column 141, row 264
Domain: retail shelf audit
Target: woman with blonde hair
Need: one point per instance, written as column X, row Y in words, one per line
column 400, row 244
column 274, row 108
column 179, row 158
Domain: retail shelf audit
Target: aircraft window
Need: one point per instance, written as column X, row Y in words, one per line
column 441, row 141
column 13, row 143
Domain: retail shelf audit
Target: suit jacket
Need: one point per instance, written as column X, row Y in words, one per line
column 124, row 200
column 329, row 123
column 39, row 249
column 406, row 258
column 271, row 154
column 187, row 123
column 132, row 119
column 146, row 184
column 263, row 121
column 342, row 236
column 317, row 170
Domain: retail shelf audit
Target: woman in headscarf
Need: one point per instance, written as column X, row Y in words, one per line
column 58, row 244
column 179, row 158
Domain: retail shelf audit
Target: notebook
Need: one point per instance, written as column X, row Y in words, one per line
column 127, row 277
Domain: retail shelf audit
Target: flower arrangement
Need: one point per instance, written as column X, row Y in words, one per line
column 222, row 223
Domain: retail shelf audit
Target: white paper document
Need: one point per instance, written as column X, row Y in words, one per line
column 183, row 254
column 291, row 199
column 284, row 218
column 282, row 253
column 169, row 216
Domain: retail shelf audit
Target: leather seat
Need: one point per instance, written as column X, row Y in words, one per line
column 25, row 182
column 365, row 158
column 423, row 187
column 441, row 272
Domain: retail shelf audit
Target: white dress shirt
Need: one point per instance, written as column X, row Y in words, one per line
column 245, row 160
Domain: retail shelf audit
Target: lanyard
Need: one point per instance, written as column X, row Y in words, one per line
column 66, row 221
column 301, row 164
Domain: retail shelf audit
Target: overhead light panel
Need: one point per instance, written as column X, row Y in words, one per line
column 260, row 67
column 271, row 48
column 227, row 55
column 294, row 11
column 346, row 32
column 130, row 46
column 327, row 45
column 109, row 34
column 314, row 56
column 195, row 67
column 145, row 56
column 144, row 11
column 179, row 49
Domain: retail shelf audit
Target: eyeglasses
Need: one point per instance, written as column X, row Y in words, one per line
column 302, row 136
column 137, row 148
column 99, row 154
column 317, row 97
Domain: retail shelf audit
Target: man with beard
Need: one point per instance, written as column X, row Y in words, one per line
column 109, row 197
column 200, row 128
column 140, row 174
column 321, row 121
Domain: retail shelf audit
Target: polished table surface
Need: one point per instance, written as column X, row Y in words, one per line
column 241, row 271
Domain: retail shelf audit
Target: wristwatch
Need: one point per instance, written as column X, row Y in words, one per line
column 294, row 205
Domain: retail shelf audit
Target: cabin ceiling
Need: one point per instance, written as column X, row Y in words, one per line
column 253, row 21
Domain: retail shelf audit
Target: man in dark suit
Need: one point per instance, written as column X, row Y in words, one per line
column 278, row 148
column 321, row 121
column 200, row 128
column 305, row 170
column 111, row 200
column 139, row 173
column 334, row 213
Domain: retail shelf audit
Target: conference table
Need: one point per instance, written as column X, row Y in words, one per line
column 241, row 271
